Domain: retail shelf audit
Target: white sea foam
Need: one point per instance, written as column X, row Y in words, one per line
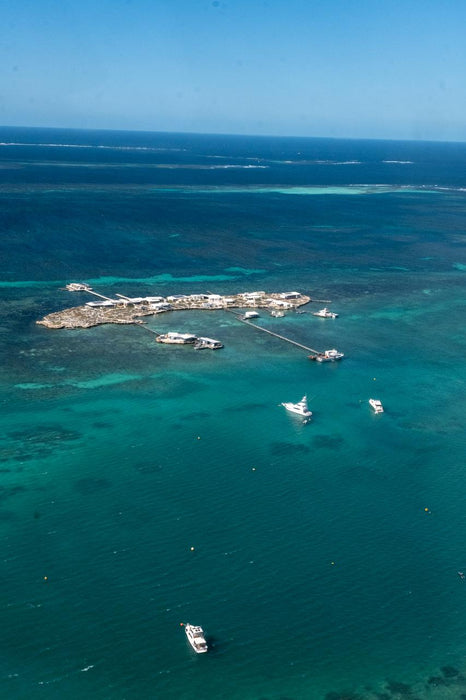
column 152, row 149
column 219, row 167
column 318, row 162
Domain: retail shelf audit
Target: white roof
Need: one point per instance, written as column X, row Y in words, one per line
column 278, row 302
column 174, row 334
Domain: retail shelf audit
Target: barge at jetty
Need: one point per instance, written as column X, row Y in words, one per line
column 174, row 338
column 199, row 342
column 124, row 310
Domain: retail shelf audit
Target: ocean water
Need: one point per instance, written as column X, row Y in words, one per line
column 144, row 486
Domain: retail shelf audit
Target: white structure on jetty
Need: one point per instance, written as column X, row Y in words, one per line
column 174, row 338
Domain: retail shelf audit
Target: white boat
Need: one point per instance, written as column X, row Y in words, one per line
column 250, row 314
column 176, row 338
column 325, row 313
column 196, row 638
column 376, row 405
column 202, row 343
column 277, row 313
column 327, row 356
column 300, row 408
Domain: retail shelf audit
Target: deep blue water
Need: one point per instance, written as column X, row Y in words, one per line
column 145, row 485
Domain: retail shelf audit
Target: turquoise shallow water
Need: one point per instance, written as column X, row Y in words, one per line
column 146, row 485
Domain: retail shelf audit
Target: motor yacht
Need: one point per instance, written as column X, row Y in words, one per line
column 376, row 405
column 300, row 408
column 195, row 635
column 325, row 313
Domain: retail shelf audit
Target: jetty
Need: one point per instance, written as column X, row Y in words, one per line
column 281, row 337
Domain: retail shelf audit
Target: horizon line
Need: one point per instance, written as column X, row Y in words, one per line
column 233, row 134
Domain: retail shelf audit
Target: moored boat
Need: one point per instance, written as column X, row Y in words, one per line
column 325, row 313
column 327, row 356
column 376, row 405
column 176, row 338
column 202, row 343
column 196, row 638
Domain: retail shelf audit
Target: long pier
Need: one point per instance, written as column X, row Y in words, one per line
column 281, row 337
column 276, row 335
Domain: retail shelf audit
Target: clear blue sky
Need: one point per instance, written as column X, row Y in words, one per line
column 344, row 68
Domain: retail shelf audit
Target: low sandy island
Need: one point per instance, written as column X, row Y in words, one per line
column 125, row 310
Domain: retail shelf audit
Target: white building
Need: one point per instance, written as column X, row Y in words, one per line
column 279, row 303
column 160, row 306
column 290, row 295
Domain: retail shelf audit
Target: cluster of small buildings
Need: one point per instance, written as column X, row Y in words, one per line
column 158, row 304
column 123, row 309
